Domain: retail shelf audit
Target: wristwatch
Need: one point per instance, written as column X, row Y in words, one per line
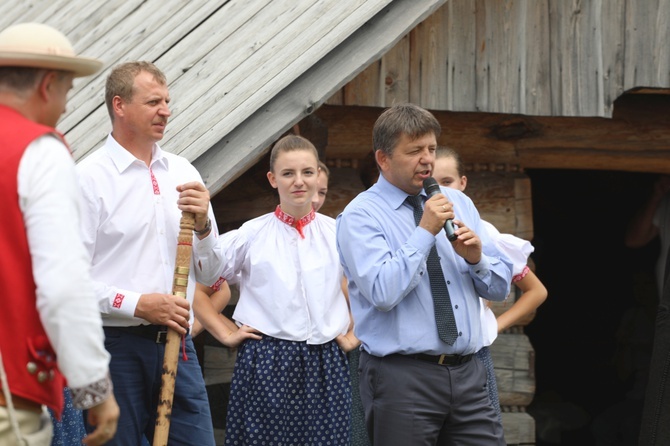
column 206, row 229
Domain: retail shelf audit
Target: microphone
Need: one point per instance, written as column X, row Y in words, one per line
column 431, row 187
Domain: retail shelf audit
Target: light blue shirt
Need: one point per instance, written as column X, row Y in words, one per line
column 384, row 255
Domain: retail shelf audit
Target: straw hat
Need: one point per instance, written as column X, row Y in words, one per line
column 41, row 46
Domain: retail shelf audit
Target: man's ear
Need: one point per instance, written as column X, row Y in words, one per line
column 117, row 105
column 45, row 85
column 382, row 159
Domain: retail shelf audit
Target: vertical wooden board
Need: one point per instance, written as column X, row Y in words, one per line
column 661, row 56
column 613, row 36
column 395, row 73
column 364, row 89
column 589, row 61
column 524, row 219
column 415, row 66
column 523, row 207
column 493, row 194
column 500, row 212
column 482, row 68
column 460, row 50
column 569, row 100
column 639, row 42
column 557, row 50
column 516, row 36
column 538, row 59
column 503, row 60
column 433, row 73
column 575, row 68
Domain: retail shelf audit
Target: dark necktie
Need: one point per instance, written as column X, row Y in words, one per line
column 444, row 314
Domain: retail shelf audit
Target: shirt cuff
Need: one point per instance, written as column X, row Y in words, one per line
column 93, row 394
column 481, row 269
column 125, row 302
column 422, row 240
column 206, row 244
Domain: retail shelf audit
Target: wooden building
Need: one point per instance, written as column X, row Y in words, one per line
column 558, row 107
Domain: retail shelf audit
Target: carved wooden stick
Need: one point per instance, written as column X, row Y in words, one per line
column 171, row 358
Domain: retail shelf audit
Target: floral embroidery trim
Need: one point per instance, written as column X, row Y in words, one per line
column 93, row 394
column 521, row 275
column 298, row 224
column 218, row 283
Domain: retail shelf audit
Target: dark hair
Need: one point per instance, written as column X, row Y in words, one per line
column 402, row 119
column 19, row 79
column 289, row 143
column 448, row 152
column 121, row 81
column 324, row 168
column 368, row 170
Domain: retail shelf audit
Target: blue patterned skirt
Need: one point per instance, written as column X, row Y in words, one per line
column 289, row 393
column 70, row 430
column 484, row 355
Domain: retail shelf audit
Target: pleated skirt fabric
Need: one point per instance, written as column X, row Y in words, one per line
column 289, row 393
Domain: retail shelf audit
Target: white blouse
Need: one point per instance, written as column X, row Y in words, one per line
column 290, row 286
column 518, row 250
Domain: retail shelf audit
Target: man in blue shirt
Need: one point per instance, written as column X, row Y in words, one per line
column 415, row 387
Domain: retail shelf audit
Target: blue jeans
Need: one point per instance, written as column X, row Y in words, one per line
column 136, row 369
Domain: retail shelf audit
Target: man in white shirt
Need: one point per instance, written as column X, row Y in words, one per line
column 134, row 194
column 43, row 263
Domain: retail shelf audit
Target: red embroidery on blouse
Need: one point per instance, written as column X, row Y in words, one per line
column 217, row 284
column 118, row 299
column 291, row 221
column 154, row 183
column 521, row 275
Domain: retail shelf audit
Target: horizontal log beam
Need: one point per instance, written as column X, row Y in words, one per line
column 529, row 141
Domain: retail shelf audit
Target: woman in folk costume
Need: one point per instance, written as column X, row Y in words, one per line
column 293, row 385
column 448, row 172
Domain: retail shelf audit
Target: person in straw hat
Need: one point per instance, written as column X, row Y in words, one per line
column 50, row 327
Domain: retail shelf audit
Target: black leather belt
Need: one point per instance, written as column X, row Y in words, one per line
column 156, row 333
column 440, row 359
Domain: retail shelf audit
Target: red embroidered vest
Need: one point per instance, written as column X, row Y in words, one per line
column 29, row 359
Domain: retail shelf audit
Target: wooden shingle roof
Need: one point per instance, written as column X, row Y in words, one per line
column 240, row 72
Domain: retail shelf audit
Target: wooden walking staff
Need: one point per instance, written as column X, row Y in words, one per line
column 171, row 358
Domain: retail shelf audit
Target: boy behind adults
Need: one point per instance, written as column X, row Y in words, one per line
column 415, row 296
column 43, row 264
column 134, row 196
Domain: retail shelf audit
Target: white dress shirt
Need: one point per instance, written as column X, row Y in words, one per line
column 49, row 200
column 130, row 226
column 290, row 287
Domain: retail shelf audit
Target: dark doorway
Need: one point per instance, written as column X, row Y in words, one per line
column 592, row 337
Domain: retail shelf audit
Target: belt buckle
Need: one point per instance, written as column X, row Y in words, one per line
column 161, row 337
column 442, row 358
